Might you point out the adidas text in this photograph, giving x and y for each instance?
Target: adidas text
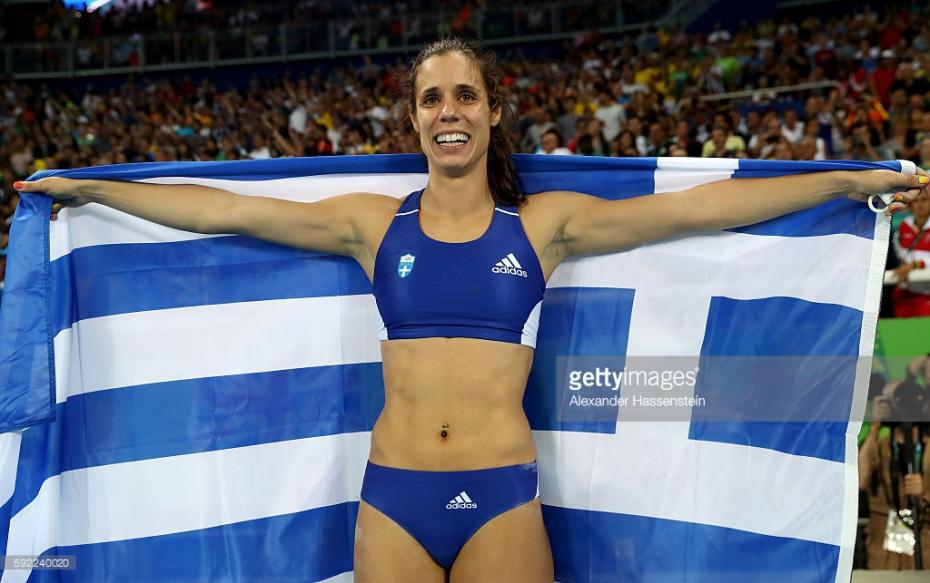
(509, 265)
(510, 270)
(461, 502)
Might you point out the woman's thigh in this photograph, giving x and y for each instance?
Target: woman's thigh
(511, 547)
(386, 553)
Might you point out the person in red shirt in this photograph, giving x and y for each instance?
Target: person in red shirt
(912, 244)
(884, 76)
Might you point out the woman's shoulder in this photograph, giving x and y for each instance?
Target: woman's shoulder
(366, 210)
(552, 205)
(370, 201)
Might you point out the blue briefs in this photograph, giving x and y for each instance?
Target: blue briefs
(442, 510)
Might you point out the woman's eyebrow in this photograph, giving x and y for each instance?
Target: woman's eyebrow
(459, 87)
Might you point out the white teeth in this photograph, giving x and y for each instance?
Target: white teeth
(452, 138)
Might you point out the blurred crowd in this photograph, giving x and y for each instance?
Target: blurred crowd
(53, 21)
(651, 93)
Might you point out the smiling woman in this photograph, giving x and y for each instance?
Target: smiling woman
(458, 271)
(475, 99)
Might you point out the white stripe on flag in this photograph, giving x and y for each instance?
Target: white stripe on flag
(719, 261)
(674, 180)
(690, 165)
(347, 577)
(187, 492)
(215, 340)
(9, 463)
(721, 484)
(96, 224)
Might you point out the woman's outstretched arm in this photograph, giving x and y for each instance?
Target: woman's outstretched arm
(586, 224)
(333, 225)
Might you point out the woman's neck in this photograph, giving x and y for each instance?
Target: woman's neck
(458, 195)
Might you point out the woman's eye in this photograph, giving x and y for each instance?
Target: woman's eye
(429, 100)
(468, 97)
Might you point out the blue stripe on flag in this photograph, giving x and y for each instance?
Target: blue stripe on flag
(577, 322)
(606, 547)
(118, 279)
(26, 364)
(231, 552)
(785, 167)
(197, 415)
(610, 178)
(747, 375)
(252, 169)
(837, 216)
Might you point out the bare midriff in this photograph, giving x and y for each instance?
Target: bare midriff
(453, 404)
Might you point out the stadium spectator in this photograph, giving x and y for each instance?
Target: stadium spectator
(552, 144)
(684, 139)
(720, 144)
(657, 144)
(912, 246)
(610, 113)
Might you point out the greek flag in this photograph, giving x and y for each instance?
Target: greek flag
(186, 407)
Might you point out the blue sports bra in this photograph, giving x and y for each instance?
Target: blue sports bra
(489, 288)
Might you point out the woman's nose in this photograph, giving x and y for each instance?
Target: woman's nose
(449, 112)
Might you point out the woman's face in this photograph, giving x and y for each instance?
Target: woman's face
(452, 115)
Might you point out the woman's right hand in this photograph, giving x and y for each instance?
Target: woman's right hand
(65, 191)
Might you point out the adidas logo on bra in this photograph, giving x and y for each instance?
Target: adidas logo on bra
(510, 266)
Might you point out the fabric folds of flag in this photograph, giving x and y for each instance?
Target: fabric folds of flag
(186, 407)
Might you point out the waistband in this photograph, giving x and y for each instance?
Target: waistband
(502, 471)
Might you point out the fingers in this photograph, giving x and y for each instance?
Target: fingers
(28, 185)
(915, 186)
(895, 207)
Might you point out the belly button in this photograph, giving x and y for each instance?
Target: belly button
(444, 434)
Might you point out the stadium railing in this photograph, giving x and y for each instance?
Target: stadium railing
(338, 38)
(756, 94)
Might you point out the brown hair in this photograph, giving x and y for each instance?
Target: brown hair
(502, 174)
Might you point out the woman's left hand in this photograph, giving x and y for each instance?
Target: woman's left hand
(905, 187)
